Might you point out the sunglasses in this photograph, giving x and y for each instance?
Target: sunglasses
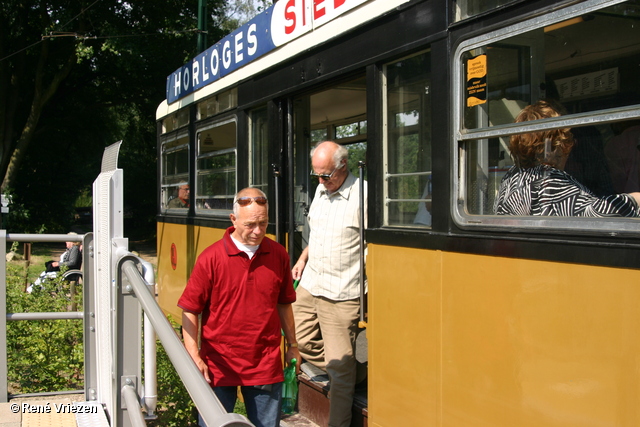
(246, 201)
(324, 176)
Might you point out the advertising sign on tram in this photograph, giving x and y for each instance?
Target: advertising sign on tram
(277, 26)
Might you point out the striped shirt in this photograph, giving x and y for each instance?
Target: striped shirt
(333, 267)
(544, 190)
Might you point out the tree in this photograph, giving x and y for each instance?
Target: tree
(238, 12)
(78, 76)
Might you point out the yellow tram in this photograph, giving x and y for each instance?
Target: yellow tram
(474, 318)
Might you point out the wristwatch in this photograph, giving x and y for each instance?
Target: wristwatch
(292, 344)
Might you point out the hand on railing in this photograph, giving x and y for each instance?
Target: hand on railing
(202, 367)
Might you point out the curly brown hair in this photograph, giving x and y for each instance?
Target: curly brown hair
(530, 149)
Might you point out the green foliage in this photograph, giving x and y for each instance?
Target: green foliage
(175, 407)
(47, 355)
(84, 200)
(121, 53)
(357, 153)
(43, 355)
(239, 12)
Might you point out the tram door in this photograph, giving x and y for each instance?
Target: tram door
(337, 113)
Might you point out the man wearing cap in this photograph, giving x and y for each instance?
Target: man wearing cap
(327, 305)
(242, 288)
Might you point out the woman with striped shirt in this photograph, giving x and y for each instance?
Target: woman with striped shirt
(537, 183)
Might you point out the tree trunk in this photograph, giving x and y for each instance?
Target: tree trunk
(42, 94)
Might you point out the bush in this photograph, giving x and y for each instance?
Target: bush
(48, 355)
(42, 355)
(175, 407)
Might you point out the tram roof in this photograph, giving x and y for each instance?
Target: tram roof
(355, 14)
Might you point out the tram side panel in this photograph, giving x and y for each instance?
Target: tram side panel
(404, 333)
(178, 248)
(458, 339)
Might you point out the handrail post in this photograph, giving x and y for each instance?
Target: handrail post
(4, 387)
(210, 408)
(363, 302)
(276, 177)
(132, 405)
(127, 354)
(89, 327)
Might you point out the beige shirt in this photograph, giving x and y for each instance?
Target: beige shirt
(333, 267)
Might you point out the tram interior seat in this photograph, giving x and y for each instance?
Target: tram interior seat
(622, 153)
(423, 216)
(504, 111)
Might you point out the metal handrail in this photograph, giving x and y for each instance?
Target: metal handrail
(201, 393)
(44, 238)
(4, 316)
(47, 238)
(214, 415)
(55, 315)
(130, 398)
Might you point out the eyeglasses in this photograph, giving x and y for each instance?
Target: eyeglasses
(246, 201)
(325, 176)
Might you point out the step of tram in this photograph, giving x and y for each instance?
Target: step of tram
(313, 401)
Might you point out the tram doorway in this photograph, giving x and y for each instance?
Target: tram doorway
(339, 114)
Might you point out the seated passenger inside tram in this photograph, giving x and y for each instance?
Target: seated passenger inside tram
(623, 156)
(537, 184)
(182, 198)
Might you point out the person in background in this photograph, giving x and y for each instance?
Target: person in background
(538, 185)
(242, 287)
(327, 307)
(182, 201)
(71, 258)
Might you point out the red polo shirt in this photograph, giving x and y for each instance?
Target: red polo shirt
(238, 299)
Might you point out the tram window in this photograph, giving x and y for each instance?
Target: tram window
(258, 149)
(490, 155)
(351, 131)
(588, 63)
(467, 8)
(547, 183)
(319, 135)
(216, 168)
(218, 104)
(582, 60)
(408, 142)
(175, 168)
(175, 121)
(343, 133)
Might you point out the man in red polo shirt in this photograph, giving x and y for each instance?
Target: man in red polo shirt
(242, 287)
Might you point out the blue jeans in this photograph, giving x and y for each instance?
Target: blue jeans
(261, 402)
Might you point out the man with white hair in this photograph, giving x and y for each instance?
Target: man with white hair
(328, 296)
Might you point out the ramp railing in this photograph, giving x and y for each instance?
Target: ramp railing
(134, 297)
(87, 272)
(134, 292)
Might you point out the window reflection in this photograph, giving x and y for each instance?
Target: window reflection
(585, 64)
(408, 142)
